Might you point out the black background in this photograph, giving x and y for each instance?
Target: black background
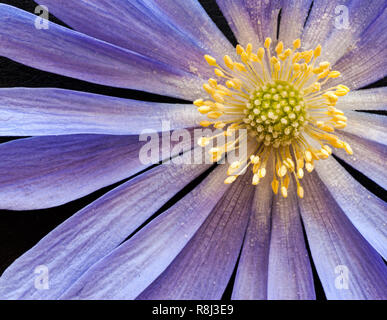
(19, 231)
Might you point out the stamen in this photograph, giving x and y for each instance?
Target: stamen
(282, 101)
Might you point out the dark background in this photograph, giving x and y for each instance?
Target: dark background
(20, 230)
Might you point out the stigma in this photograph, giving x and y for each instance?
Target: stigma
(282, 97)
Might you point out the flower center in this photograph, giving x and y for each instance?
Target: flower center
(283, 100)
(276, 112)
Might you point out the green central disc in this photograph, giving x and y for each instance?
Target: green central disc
(276, 113)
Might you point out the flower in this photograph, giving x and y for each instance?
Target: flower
(129, 244)
(281, 106)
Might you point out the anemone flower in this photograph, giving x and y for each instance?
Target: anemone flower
(297, 67)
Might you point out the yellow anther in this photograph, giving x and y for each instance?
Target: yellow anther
(210, 60)
(309, 166)
(208, 88)
(254, 57)
(324, 65)
(286, 181)
(273, 60)
(219, 107)
(340, 92)
(203, 141)
(284, 192)
(296, 66)
(323, 74)
(337, 143)
(308, 56)
(275, 185)
(204, 109)
(279, 48)
(261, 172)
(340, 125)
(300, 162)
(218, 97)
(328, 149)
(334, 74)
(214, 114)
(235, 165)
(300, 191)
(249, 48)
(308, 156)
(239, 49)
(219, 73)
(287, 52)
(230, 179)
(331, 97)
(297, 43)
(300, 173)
(255, 179)
(339, 117)
(348, 148)
(212, 82)
(244, 57)
(219, 125)
(326, 128)
(317, 86)
(267, 43)
(254, 159)
(317, 51)
(209, 103)
(240, 66)
(343, 87)
(282, 171)
(230, 84)
(297, 57)
(228, 62)
(198, 102)
(205, 123)
(323, 154)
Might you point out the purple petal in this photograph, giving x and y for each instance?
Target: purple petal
(250, 20)
(204, 267)
(368, 99)
(134, 265)
(75, 245)
(43, 172)
(369, 157)
(66, 52)
(27, 112)
(325, 25)
(366, 211)
(290, 274)
(252, 272)
(320, 22)
(365, 64)
(143, 27)
(239, 21)
(371, 127)
(293, 15)
(200, 25)
(336, 244)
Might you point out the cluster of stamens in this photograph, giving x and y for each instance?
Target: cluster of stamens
(275, 113)
(280, 101)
